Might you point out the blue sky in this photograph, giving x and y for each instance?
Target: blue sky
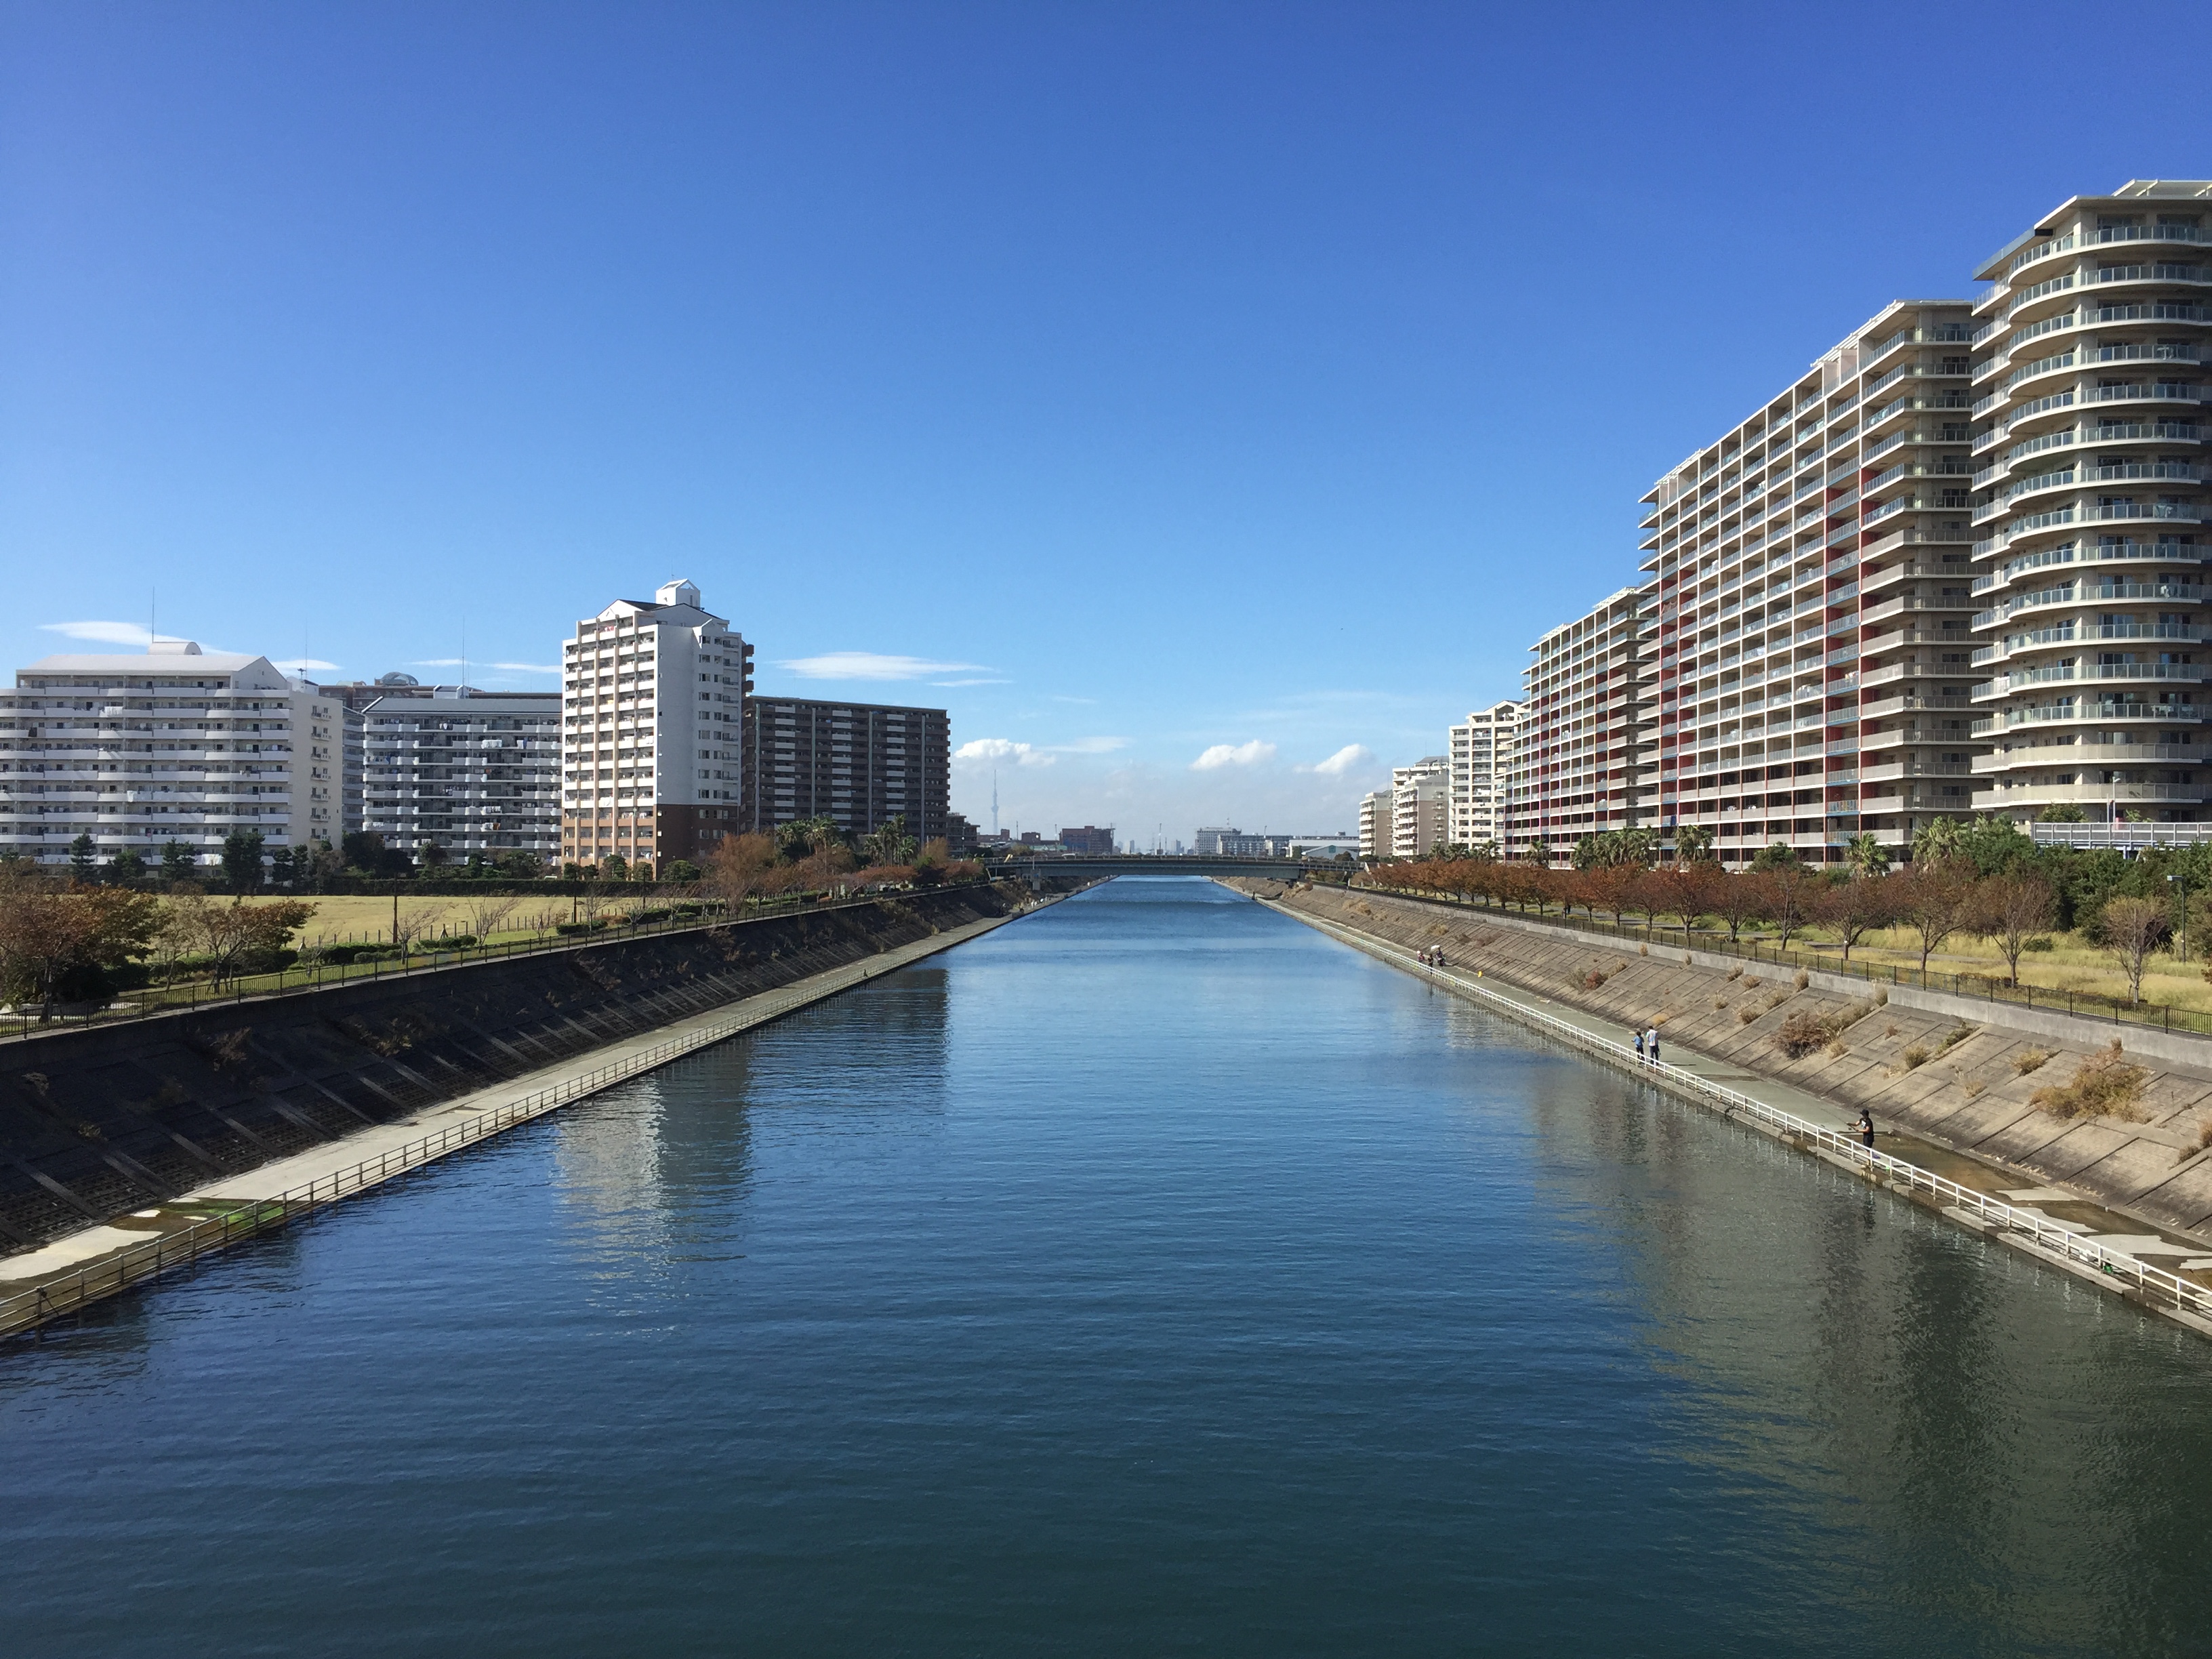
(1206, 404)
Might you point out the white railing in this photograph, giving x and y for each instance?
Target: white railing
(2157, 1284)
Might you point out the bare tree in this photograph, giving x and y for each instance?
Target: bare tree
(2012, 909)
(487, 915)
(1788, 892)
(1739, 900)
(2134, 928)
(1936, 899)
(408, 924)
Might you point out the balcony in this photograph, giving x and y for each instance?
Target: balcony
(2086, 794)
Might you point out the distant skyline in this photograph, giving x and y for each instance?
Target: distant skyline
(1206, 404)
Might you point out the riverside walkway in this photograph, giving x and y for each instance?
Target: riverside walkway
(99, 1261)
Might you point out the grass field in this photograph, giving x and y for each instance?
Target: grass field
(340, 918)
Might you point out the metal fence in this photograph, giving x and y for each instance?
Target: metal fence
(2084, 1004)
(314, 977)
(2156, 1285)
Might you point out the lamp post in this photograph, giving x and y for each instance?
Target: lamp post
(2183, 883)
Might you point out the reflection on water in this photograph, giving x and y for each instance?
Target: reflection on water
(1154, 1275)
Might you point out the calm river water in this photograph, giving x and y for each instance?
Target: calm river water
(1152, 1276)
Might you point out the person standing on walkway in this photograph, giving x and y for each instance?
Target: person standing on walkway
(1866, 1127)
(1651, 1042)
(1639, 1044)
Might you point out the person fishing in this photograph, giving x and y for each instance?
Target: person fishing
(1866, 1127)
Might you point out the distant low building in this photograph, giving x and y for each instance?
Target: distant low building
(1208, 839)
(960, 837)
(1087, 838)
(1375, 814)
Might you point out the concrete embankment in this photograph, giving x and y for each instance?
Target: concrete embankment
(1963, 1085)
(96, 1125)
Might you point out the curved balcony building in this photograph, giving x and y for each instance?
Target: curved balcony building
(2090, 508)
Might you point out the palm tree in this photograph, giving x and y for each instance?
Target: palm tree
(1867, 856)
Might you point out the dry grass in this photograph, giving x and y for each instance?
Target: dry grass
(1745, 1016)
(2030, 1061)
(2108, 1085)
(1915, 1057)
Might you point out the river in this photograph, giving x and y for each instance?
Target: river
(1151, 1276)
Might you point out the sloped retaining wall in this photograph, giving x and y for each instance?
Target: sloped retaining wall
(94, 1123)
(1969, 1094)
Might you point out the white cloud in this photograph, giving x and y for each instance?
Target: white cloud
(985, 680)
(103, 633)
(981, 751)
(1089, 746)
(301, 665)
(1243, 754)
(1348, 758)
(872, 666)
(465, 662)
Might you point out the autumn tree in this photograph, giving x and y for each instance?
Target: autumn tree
(1687, 888)
(1786, 894)
(1738, 901)
(1855, 907)
(740, 869)
(1609, 887)
(233, 938)
(53, 940)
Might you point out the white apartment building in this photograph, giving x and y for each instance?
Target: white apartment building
(1813, 586)
(2089, 387)
(1375, 820)
(175, 744)
(1481, 753)
(653, 705)
(465, 770)
(1580, 762)
(1419, 796)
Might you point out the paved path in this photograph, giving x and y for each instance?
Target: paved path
(464, 1120)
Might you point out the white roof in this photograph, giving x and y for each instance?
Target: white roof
(140, 664)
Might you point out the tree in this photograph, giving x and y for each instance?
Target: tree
(1738, 900)
(2064, 813)
(82, 864)
(516, 865)
(1993, 844)
(2134, 928)
(1777, 855)
(176, 863)
(1693, 843)
(2013, 909)
(1610, 887)
(1855, 906)
(1936, 840)
(488, 915)
(890, 844)
(1866, 855)
(53, 941)
(127, 866)
(681, 870)
(1787, 896)
(1687, 889)
(1936, 899)
(802, 838)
(432, 855)
(241, 860)
(234, 938)
(614, 867)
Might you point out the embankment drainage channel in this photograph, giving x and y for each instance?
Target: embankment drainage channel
(27, 1310)
(2152, 1289)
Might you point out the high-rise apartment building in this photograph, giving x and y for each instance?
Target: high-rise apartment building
(858, 764)
(1419, 794)
(1377, 813)
(653, 703)
(2088, 384)
(1481, 753)
(1813, 601)
(177, 745)
(465, 770)
(1580, 763)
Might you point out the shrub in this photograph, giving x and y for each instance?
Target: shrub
(2032, 1060)
(2105, 1085)
(1916, 1056)
(1745, 1016)
(591, 926)
(1803, 980)
(1953, 1037)
(1975, 1088)
(1804, 1031)
(2037, 944)
(1736, 972)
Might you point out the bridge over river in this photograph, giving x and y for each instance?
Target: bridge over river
(1152, 864)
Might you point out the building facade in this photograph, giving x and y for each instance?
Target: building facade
(175, 744)
(1377, 816)
(1087, 838)
(1481, 754)
(2089, 385)
(1581, 761)
(1813, 602)
(858, 764)
(464, 770)
(654, 696)
(1419, 795)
